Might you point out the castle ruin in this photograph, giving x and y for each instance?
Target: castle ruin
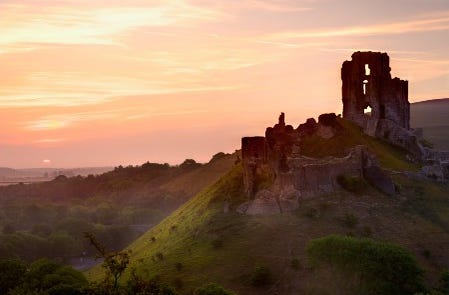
(277, 173)
(376, 102)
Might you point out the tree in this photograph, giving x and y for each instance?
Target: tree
(44, 277)
(115, 263)
(212, 289)
(12, 273)
(374, 267)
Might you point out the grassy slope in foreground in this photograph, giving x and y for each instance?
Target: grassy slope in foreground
(212, 245)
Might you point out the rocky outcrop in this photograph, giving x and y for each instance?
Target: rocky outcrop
(436, 165)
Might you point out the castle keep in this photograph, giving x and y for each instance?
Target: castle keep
(367, 83)
(277, 173)
(376, 102)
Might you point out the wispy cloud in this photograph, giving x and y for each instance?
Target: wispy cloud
(71, 119)
(272, 5)
(49, 140)
(77, 88)
(72, 22)
(437, 22)
(53, 122)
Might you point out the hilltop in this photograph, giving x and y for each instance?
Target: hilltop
(207, 240)
(365, 173)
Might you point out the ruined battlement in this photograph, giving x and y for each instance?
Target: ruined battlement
(276, 173)
(367, 83)
(376, 102)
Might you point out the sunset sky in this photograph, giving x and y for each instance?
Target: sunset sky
(99, 83)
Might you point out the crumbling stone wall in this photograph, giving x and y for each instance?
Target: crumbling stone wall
(254, 157)
(275, 172)
(276, 162)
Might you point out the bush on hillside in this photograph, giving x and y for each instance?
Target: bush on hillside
(353, 184)
(41, 277)
(261, 276)
(379, 267)
(212, 289)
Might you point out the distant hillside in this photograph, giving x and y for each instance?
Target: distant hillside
(117, 206)
(49, 173)
(207, 240)
(433, 117)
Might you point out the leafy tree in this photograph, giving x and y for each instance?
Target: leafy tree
(115, 263)
(45, 277)
(12, 272)
(261, 276)
(63, 245)
(379, 267)
(212, 289)
(445, 281)
(139, 286)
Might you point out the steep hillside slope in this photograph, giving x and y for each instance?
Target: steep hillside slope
(206, 240)
(433, 117)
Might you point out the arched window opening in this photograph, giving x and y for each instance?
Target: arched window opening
(364, 86)
(367, 70)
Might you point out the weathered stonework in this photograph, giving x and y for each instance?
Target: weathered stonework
(367, 83)
(277, 175)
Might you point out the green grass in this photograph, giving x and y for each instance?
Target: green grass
(351, 135)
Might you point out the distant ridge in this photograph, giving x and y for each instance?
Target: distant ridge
(436, 100)
(433, 117)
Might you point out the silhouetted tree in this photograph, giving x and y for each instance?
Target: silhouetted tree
(115, 263)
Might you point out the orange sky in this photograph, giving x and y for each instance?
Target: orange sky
(92, 83)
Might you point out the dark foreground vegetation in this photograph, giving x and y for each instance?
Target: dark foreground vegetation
(368, 267)
(45, 277)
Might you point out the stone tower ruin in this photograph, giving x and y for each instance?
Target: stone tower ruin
(367, 85)
(376, 102)
(278, 170)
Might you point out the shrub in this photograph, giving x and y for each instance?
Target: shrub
(138, 285)
(329, 119)
(179, 266)
(379, 267)
(159, 256)
(178, 283)
(444, 279)
(261, 276)
(367, 231)
(212, 289)
(295, 264)
(426, 253)
(312, 213)
(353, 184)
(350, 220)
(217, 243)
(12, 273)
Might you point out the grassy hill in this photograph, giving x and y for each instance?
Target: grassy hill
(205, 240)
(433, 117)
